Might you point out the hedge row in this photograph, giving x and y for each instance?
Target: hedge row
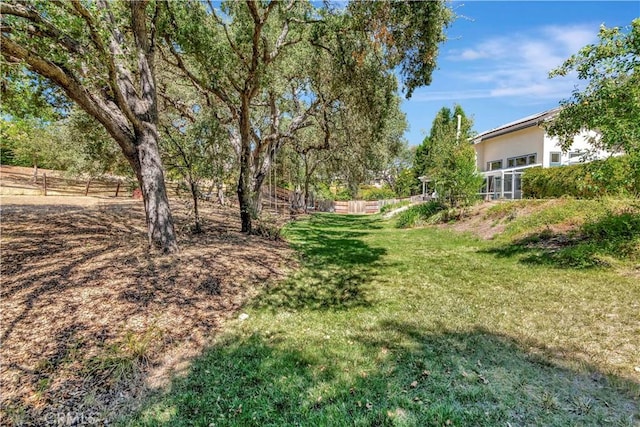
(613, 176)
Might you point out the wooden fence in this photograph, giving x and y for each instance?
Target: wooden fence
(52, 183)
(60, 186)
(369, 206)
(356, 207)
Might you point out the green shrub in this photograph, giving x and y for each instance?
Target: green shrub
(617, 234)
(374, 193)
(323, 191)
(613, 176)
(343, 195)
(418, 215)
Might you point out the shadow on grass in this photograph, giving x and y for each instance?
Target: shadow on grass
(393, 374)
(595, 245)
(361, 222)
(337, 266)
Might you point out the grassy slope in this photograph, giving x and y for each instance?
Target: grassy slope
(420, 327)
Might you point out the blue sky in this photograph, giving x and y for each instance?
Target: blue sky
(496, 61)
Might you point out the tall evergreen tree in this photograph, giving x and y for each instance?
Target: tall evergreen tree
(447, 157)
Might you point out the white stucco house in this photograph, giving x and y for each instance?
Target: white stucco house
(503, 153)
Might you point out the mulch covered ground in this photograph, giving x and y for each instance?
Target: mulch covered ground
(91, 321)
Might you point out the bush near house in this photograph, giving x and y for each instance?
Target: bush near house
(613, 176)
(419, 215)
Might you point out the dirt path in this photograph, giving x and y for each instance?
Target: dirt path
(91, 321)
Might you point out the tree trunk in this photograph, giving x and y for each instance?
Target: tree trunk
(244, 180)
(306, 192)
(124, 100)
(256, 201)
(197, 228)
(220, 193)
(244, 198)
(260, 172)
(148, 167)
(307, 178)
(256, 194)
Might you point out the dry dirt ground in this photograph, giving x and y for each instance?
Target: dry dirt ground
(91, 321)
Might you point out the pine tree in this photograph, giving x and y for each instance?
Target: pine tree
(448, 159)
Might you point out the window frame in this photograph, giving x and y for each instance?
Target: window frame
(489, 168)
(526, 158)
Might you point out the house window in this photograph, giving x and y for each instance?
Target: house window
(556, 159)
(529, 159)
(577, 156)
(496, 164)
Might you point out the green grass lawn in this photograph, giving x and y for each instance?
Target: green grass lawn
(418, 327)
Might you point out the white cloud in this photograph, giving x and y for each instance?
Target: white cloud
(518, 65)
(449, 95)
(537, 90)
(572, 37)
(534, 92)
(471, 54)
(487, 49)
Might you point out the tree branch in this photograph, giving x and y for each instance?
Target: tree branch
(46, 28)
(148, 108)
(235, 49)
(110, 117)
(77, 9)
(281, 42)
(119, 78)
(179, 106)
(185, 159)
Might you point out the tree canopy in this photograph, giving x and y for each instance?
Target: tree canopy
(277, 68)
(265, 75)
(408, 33)
(610, 102)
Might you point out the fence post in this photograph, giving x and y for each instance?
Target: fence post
(118, 188)
(44, 183)
(86, 188)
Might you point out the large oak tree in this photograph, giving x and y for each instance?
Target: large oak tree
(236, 56)
(262, 61)
(102, 55)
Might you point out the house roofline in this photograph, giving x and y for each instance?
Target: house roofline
(524, 123)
